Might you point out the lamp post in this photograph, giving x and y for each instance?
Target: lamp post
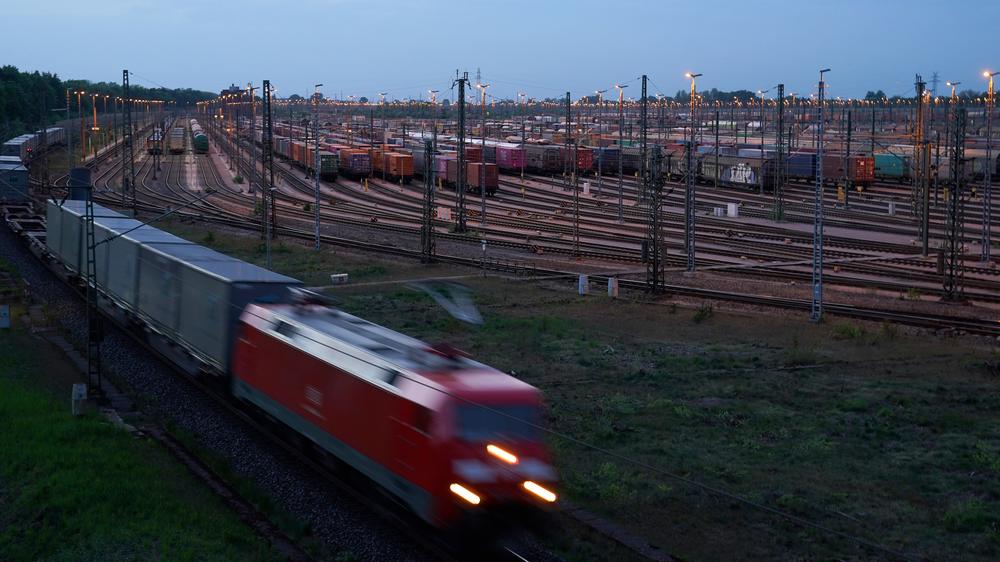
(760, 177)
(988, 176)
(482, 157)
(689, 195)
(621, 119)
(600, 154)
(524, 102)
(79, 113)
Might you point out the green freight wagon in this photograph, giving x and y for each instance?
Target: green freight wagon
(892, 166)
(199, 141)
(328, 164)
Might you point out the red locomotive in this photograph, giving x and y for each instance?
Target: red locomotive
(454, 440)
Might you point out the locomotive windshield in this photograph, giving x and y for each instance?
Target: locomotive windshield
(482, 423)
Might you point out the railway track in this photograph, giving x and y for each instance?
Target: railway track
(290, 207)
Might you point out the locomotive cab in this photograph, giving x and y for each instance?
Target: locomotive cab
(499, 475)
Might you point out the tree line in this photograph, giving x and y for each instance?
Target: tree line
(28, 98)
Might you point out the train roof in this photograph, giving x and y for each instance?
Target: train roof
(331, 333)
(219, 265)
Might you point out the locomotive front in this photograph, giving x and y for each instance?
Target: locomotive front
(499, 472)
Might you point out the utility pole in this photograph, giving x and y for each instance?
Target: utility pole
(689, 174)
(268, 210)
(384, 133)
(427, 232)
(462, 81)
(717, 148)
(253, 141)
(760, 180)
(523, 104)
(643, 148)
(848, 176)
(953, 274)
(95, 326)
(779, 165)
(571, 153)
(921, 157)
(653, 244)
(816, 313)
(128, 158)
(482, 160)
(316, 159)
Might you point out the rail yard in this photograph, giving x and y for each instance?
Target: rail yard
(555, 316)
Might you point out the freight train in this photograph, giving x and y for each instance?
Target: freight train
(304, 156)
(154, 142)
(453, 440)
(176, 142)
(26, 147)
(199, 140)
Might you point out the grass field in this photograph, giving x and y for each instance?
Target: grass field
(881, 435)
(79, 489)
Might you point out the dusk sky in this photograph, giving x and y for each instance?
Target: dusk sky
(540, 47)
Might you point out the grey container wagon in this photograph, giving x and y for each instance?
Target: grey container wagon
(195, 296)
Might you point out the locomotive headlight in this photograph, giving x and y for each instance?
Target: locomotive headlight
(464, 493)
(539, 491)
(502, 454)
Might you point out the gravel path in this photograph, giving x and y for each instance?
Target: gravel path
(338, 521)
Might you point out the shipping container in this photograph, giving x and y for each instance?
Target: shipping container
(480, 174)
(194, 296)
(65, 235)
(510, 158)
(13, 182)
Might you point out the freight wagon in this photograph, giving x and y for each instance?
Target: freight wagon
(482, 172)
(177, 140)
(354, 162)
(543, 159)
(28, 146)
(199, 140)
(584, 159)
(892, 166)
(801, 167)
(191, 295)
(736, 171)
(13, 181)
(154, 142)
(510, 158)
(304, 156)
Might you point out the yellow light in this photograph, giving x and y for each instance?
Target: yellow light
(464, 493)
(986, 73)
(501, 454)
(539, 491)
